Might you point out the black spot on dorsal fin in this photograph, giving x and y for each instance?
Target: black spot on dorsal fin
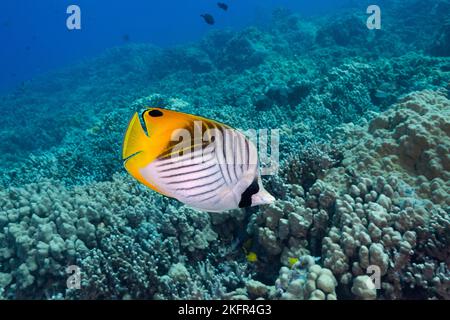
(246, 197)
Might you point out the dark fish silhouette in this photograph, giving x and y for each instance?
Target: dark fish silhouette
(209, 19)
(6, 24)
(222, 6)
(126, 37)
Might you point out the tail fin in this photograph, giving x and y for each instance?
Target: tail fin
(262, 197)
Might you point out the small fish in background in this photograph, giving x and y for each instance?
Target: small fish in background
(292, 261)
(213, 168)
(222, 6)
(250, 253)
(252, 257)
(209, 19)
(126, 38)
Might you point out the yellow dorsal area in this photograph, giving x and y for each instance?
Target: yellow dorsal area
(164, 125)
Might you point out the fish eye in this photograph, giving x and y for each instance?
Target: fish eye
(155, 113)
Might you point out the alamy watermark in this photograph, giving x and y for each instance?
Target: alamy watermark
(374, 281)
(228, 146)
(74, 278)
(73, 21)
(374, 20)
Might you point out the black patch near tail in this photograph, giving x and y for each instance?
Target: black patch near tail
(246, 197)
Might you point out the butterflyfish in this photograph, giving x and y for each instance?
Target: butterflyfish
(209, 19)
(202, 163)
(222, 6)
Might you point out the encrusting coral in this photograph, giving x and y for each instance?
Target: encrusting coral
(391, 221)
(371, 210)
(306, 280)
(411, 140)
(380, 205)
(110, 231)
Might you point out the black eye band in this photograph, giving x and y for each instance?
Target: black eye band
(155, 113)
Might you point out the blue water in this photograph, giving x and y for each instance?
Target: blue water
(35, 38)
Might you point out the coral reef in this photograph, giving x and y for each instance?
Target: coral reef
(113, 232)
(306, 280)
(371, 212)
(379, 207)
(411, 141)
